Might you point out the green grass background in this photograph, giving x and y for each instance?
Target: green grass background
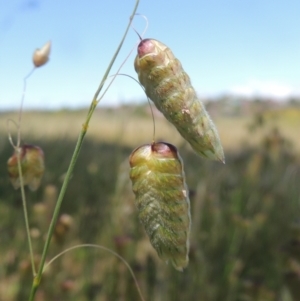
(245, 240)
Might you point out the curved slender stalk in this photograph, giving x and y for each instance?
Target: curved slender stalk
(21, 106)
(9, 132)
(149, 102)
(105, 249)
(37, 278)
(17, 149)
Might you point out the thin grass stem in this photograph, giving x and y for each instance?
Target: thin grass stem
(37, 278)
(25, 210)
(21, 106)
(105, 249)
(18, 151)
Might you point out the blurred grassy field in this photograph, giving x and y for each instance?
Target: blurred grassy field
(245, 239)
(132, 126)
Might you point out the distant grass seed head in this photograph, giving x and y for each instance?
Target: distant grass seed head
(41, 56)
(32, 164)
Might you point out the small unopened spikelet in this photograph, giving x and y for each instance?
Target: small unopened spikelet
(32, 164)
(158, 181)
(41, 56)
(169, 87)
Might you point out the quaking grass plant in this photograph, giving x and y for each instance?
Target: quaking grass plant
(27, 156)
(157, 172)
(242, 247)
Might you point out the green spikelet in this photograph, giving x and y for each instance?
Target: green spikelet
(158, 181)
(169, 87)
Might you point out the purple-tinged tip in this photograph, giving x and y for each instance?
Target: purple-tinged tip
(146, 46)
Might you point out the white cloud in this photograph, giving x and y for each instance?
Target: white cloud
(265, 89)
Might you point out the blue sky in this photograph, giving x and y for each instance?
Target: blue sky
(248, 47)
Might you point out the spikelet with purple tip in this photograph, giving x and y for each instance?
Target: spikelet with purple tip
(162, 200)
(170, 88)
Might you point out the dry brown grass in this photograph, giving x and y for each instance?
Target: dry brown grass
(128, 127)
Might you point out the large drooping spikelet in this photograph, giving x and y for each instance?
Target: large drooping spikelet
(169, 87)
(32, 165)
(158, 181)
